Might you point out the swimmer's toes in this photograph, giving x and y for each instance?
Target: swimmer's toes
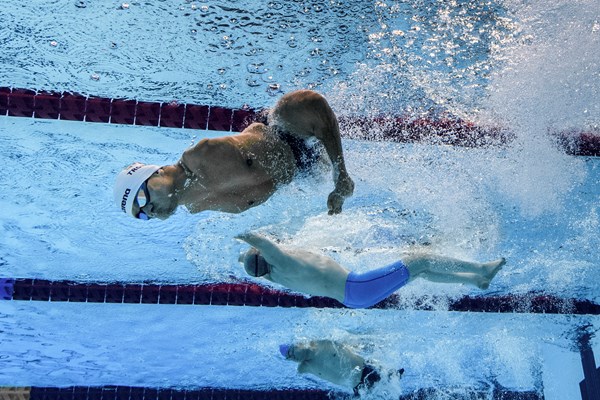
(499, 264)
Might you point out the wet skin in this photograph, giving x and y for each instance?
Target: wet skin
(234, 173)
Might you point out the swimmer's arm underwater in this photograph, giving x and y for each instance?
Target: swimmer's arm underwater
(307, 114)
(269, 250)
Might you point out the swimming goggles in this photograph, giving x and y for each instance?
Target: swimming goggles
(142, 198)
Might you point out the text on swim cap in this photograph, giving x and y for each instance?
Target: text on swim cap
(124, 200)
(134, 169)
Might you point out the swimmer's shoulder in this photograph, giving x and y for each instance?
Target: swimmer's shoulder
(256, 128)
(206, 152)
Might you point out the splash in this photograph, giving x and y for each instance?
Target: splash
(426, 57)
(530, 69)
(546, 82)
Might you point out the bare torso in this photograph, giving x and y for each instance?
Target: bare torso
(310, 273)
(240, 171)
(235, 173)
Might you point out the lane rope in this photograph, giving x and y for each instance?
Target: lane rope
(252, 294)
(148, 393)
(16, 102)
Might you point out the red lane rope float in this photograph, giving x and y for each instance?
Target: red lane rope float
(251, 294)
(76, 107)
(146, 393)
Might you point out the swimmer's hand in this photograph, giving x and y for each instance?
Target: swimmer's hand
(244, 236)
(269, 250)
(344, 188)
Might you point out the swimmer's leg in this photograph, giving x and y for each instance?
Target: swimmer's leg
(369, 288)
(451, 270)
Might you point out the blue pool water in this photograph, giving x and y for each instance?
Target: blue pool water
(505, 63)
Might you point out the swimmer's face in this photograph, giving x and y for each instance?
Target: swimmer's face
(163, 202)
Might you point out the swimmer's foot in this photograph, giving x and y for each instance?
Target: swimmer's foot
(491, 269)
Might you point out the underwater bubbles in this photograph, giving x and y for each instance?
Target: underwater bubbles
(549, 81)
(530, 70)
(274, 89)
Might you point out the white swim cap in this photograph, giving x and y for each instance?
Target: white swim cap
(128, 183)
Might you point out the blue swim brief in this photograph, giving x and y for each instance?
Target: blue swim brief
(369, 288)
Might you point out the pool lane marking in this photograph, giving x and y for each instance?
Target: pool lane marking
(148, 393)
(6, 288)
(15, 393)
(252, 294)
(27, 103)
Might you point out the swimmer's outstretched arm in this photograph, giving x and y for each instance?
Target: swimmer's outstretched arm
(272, 253)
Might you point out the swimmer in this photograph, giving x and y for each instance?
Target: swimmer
(237, 172)
(336, 363)
(319, 275)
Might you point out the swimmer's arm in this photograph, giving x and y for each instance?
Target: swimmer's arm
(269, 250)
(307, 114)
